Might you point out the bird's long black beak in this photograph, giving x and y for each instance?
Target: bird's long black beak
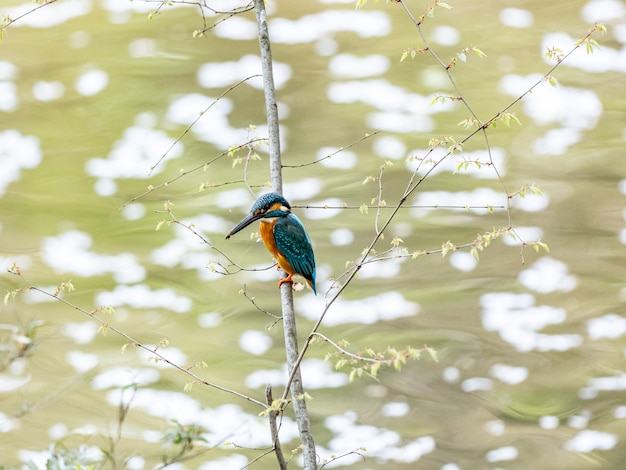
(244, 223)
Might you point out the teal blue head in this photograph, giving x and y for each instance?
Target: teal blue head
(268, 206)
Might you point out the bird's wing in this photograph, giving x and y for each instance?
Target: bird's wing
(294, 243)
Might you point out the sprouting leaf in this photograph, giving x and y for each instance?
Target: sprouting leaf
(539, 244)
(444, 5)
(438, 98)
(462, 56)
(446, 248)
(396, 241)
(433, 354)
(478, 52)
(363, 209)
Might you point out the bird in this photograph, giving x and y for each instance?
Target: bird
(284, 236)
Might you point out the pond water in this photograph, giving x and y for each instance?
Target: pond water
(95, 101)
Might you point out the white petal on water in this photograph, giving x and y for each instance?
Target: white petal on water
(135, 153)
(134, 211)
(580, 420)
(599, 11)
(547, 275)
(508, 374)
(8, 71)
(451, 374)
(223, 74)
(607, 326)
(620, 412)
(386, 306)
(209, 320)
(92, 82)
(391, 147)
(341, 237)
(495, 427)
(343, 160)
(57, 431)
(384, 269)
(445, 35)
(395, 409)
(315, 374)
(48, 91)
(17, 152)
(549, 422)
(53, 15)
(478, 201)
(232, 461)
(172, 354)
(475, 384)
(596, 385)
(141, 296)
(502, 453)
(81, 333)
(478, 162)
(120, 377)
(236, 29)
(351, 66)
(10, 383)
(381, 443)
(255, 342)
(321, 214)
(223, 423)
(463, 261)
(516, 17)
(517, 320)
(136, 462)
(81, 362)
(310, 28)
(69, 253)
(303, 190)
(568, 107)
(526, 233)
(590, 440)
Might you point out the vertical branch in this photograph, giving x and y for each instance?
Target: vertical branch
(289, 319)
(271, 108)
(273, 415)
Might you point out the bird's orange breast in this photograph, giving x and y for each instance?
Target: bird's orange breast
(267, 235)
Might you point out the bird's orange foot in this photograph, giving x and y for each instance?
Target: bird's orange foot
(286, 279)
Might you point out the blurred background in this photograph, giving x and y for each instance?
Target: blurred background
(531, 345)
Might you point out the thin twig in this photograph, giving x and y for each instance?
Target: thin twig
(331, 155)
(131, 341)
(200, 114)
(412, 186)
(184, 173)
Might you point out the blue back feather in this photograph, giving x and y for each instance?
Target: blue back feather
(294, 243)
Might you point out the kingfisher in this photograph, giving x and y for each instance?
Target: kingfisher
(284, 237)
